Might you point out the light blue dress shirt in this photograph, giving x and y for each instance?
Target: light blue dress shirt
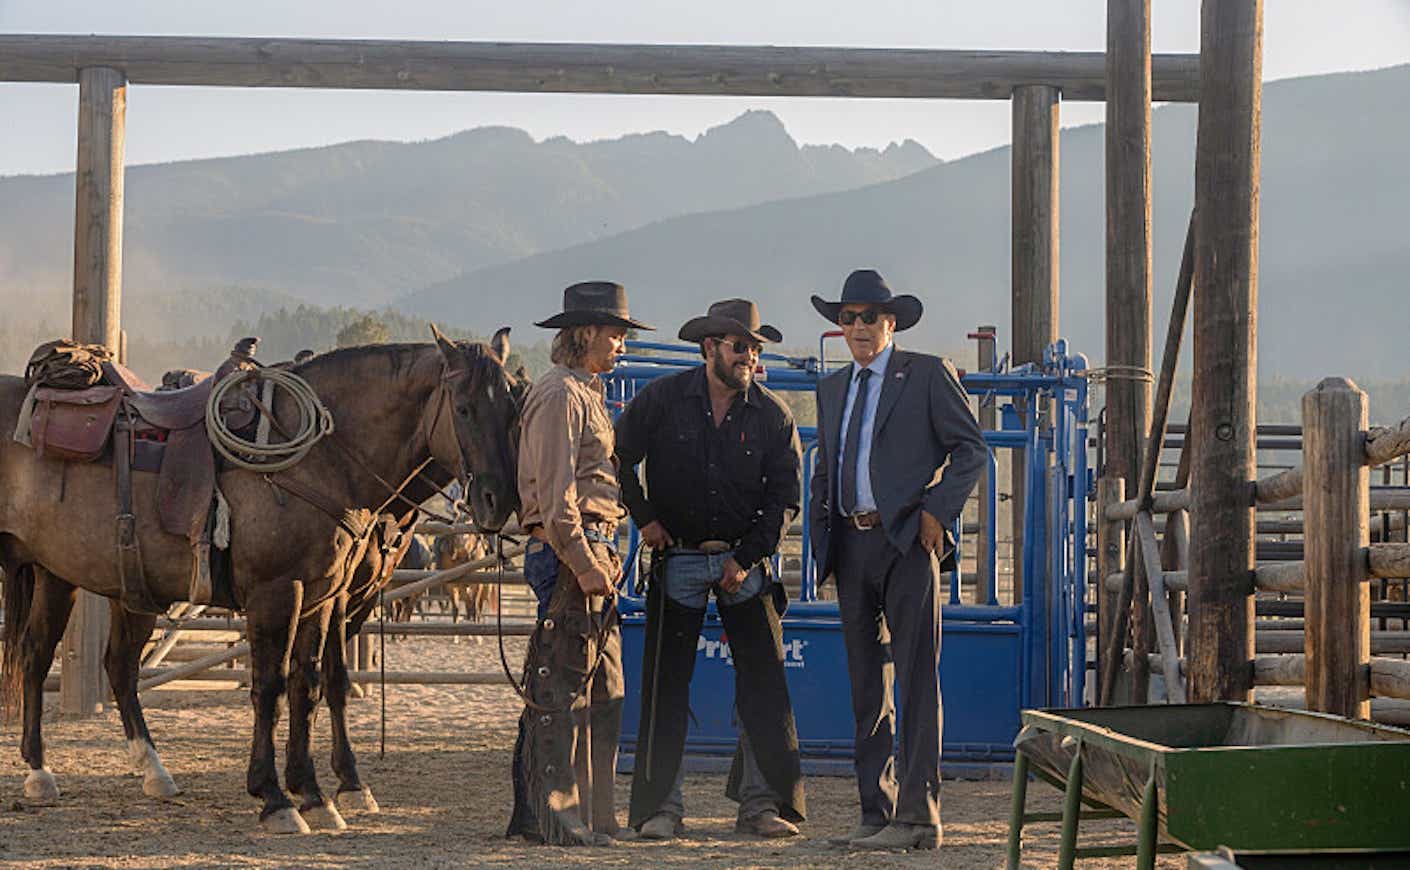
(866, 501)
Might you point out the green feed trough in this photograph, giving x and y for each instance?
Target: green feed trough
(1207, 775)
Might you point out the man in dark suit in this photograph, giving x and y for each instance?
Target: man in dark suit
(882, 502)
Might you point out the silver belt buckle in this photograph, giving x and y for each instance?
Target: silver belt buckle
(714, 548)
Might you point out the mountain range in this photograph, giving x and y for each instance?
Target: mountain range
(363, 222)
(486, 227)
(1334, 252)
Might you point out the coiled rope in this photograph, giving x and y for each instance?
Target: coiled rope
(315, 421)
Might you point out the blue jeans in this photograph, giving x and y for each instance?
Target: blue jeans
(689, 579)
(541, 572)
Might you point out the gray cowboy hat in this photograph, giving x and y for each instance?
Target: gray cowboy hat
(593, 303)
(730, 317)
(867, 287)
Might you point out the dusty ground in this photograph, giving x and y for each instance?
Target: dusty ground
(443, 787)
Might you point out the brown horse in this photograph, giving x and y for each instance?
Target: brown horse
(394, 406)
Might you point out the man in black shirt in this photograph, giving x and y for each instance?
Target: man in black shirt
(723, 484)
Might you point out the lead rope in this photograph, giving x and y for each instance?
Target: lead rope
(382, 659)
(521, 688)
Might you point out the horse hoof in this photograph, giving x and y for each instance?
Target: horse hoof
(360, 801)
(324, 816)
(161, 786)
(285, 821)
(40, 787)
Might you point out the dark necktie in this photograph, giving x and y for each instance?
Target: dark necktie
(854, 438)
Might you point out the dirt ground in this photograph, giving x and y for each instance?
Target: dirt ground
(444, 791)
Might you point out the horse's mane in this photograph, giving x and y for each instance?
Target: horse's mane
(401, 356)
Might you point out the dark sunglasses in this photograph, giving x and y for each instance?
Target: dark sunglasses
(740, 347)
(866, 315)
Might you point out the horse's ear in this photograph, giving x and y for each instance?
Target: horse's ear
(447, 347)
(500, 343)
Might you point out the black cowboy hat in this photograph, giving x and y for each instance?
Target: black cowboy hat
(730, 317)
(593, 303)
(867, 287)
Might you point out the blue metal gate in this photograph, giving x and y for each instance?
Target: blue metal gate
(997, 656)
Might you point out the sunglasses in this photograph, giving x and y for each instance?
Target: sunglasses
(739, 347)
(866, 315)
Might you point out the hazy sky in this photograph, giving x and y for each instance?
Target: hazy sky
(1301, 37)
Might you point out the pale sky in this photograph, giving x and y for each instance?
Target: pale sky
(1302, 37)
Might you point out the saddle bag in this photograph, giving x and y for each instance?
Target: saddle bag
(74, 425)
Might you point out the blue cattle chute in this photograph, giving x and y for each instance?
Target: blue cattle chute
(996, 658)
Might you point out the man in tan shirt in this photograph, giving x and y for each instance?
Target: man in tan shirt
(566, 756)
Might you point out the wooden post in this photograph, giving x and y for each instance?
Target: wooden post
(1128, 267)
(1111, 559)
(1035, 259)
(1220, 642)
(1337, 502)
(97, 306)
(988, 419)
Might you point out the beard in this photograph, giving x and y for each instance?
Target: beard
(734, 378)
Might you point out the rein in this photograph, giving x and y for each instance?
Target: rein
(521, 688)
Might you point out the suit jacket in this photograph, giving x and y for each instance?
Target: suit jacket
(922, 420)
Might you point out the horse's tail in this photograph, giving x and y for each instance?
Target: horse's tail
(19, 592)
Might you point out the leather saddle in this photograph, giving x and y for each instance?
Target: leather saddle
(160, 431)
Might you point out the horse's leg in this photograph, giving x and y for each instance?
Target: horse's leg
(305, 691)
(271, 619)
(124, 657)
(352, 794)
(49, 608)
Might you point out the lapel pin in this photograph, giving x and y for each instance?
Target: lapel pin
(900, 375)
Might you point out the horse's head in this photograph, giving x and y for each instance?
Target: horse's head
(481, 398)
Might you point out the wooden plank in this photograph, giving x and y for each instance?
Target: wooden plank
(1338, 600)
(527, 67)
(1160, 607)
(1393, 499)
(988, 415)
(1219, 644)
(1034, 258)
(1111, 564)
(97, 309)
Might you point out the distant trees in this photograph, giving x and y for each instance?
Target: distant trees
(365, 330)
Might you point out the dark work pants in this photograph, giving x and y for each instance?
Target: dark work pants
(884, 595)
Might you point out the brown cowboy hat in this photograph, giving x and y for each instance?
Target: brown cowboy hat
(593, 303)
(730, 317)
(867, 287)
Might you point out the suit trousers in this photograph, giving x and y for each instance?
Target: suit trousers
(890, 607)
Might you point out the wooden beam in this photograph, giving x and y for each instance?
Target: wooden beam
(1336, 487)
(1034, 309)
(1160, 607)
(97, 309)
(528, 67)
(1111, 564)
(1219, 644)
(1128, 272)
(988, 414)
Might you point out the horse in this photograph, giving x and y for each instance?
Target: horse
(395, 408)
(465, 594)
